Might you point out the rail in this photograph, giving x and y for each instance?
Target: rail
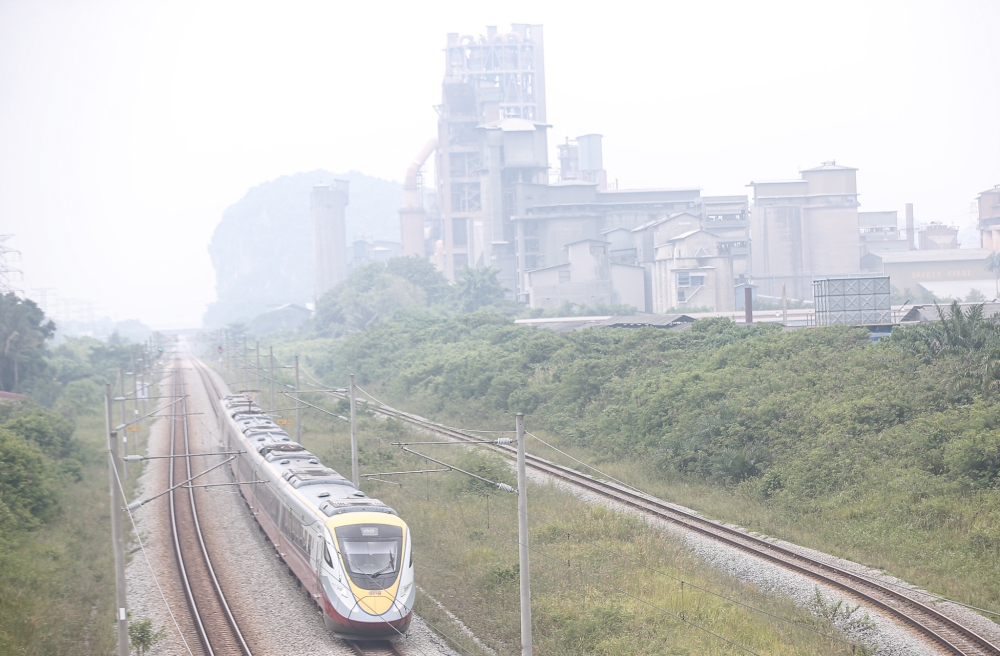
(943, 630)
(211, 615)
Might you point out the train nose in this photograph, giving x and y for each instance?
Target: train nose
(375, 604)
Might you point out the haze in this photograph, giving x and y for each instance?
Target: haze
(127, 128)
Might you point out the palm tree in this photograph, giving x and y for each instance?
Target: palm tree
(476, 288)
(993, 264)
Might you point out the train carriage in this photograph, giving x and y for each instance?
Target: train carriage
(352, 553)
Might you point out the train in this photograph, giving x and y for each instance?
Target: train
(352, 553)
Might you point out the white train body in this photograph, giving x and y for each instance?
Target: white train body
(352, 553)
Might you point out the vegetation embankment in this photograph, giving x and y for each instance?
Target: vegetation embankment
(602, 582)
(56, 564)
(884, 453)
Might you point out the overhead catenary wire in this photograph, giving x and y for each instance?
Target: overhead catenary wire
(358, 387)
(889, 583)
(868, 578)
(678, 579)
(605, 549)
(382, 403)
(397, 631)
(623, 556)
(585, 574)
(626, 485)
(445, 635)
(142, 547)
(608, 476)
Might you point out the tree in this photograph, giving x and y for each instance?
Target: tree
(386, 294)
(142, 636)
(975, 296)
(477, 288)
(423, 274)
(28, 485)
(369, 294)
(23, 332)
(993, 264)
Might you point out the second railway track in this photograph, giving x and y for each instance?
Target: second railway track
(944, 631)
(215, 629)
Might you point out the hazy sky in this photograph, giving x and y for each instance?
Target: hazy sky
(126, 128)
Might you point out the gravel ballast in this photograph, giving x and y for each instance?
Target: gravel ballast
(275, 615)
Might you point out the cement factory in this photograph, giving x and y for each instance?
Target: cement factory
(574, 239)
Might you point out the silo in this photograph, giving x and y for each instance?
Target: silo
(329, 235)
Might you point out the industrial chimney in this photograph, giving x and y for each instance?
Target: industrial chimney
(411, 215)
(910, 233)
(329, 235)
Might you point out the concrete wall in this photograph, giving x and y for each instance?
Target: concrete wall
(832, 239)
(589, 260)
(628, 286)
(805, 228)
(911, 273)
(695, 255)
(989, 218)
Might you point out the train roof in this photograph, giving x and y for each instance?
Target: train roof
(324, 489)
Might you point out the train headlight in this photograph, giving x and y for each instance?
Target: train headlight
(406, 588)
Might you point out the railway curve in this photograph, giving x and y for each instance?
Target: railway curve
(946, 632)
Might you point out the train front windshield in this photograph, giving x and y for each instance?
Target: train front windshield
(371, 553)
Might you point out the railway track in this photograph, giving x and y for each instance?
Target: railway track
(214, 626)
(359, 647)
(944, 631)
(373, 647)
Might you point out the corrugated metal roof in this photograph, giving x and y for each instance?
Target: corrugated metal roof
(566, 324)
(944, 255)
(924, 313)
(642, 320)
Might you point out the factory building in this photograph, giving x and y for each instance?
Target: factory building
(582, 160)
(691, 270)
(588, 277)
(491, 135)
(938, 266)
(497, 208)
(634, 223)
(364, 251)
(879, 231)
(907, 269)
(938, 236)
(328, 203)
(989, 218)
(805, 229)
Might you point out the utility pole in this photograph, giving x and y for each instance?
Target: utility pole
(355, 478)
(298, 408)
(117, 538)
(135, 382)
(522, 539)
(246, 364)
(121, 377)
(147, 380)
(784, 306)
(271, 370)
(257, 349)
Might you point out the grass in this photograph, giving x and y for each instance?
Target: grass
(945, 543)
(57, 584)
(585, 599)
(928, 531)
